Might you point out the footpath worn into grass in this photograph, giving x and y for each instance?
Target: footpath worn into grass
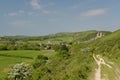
(114, 73)
(106, 70)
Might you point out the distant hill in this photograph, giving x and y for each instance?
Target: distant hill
(88, 35)
(84, 35)
(62, 36)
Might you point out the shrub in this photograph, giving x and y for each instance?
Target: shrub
(39, 60)
(75, 49)
(60, 47)
(20, 71)
(63, 54)
(64, 47)
(56, 47)
(41, 73)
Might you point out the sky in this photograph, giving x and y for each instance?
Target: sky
(43, 17)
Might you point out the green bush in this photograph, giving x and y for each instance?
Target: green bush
(39, 60)
(41, 73)
(75, 49)
(63, 54)
(58, 47)
(64, 48)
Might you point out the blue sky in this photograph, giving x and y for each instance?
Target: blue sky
(42, 17)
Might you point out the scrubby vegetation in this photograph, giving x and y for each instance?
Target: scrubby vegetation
(64, 65)
(63, 56)
(108, 45)
(20, 71)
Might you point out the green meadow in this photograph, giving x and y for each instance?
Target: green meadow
(6, 62)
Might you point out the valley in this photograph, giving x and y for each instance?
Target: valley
(88, 55)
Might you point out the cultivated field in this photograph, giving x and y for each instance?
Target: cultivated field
(9, 58)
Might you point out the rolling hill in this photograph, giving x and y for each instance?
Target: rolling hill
(77, 62)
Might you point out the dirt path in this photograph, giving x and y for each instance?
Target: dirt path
(99, 61)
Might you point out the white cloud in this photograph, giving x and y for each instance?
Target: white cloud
(94, 12)
(12, 14)
(19, 23)
(38, 6)
(82, 4)
(17, 13)
(48, 12)
(35, 4)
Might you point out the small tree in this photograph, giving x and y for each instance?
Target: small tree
(20, 71)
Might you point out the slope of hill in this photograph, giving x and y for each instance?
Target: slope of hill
(89, 35)
(71, 65)
(108, 45)
(107, 50)
(78, 36)
(77, 61)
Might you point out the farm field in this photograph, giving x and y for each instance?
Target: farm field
(16, 57)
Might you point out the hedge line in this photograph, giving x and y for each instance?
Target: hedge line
(7, 55)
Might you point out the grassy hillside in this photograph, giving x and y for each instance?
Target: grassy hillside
(78, 66)
(68, 62)
(78, 62)
(108, 45)
(81, 36)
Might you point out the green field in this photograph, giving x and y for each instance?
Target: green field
(66, 57)
(6, 62)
